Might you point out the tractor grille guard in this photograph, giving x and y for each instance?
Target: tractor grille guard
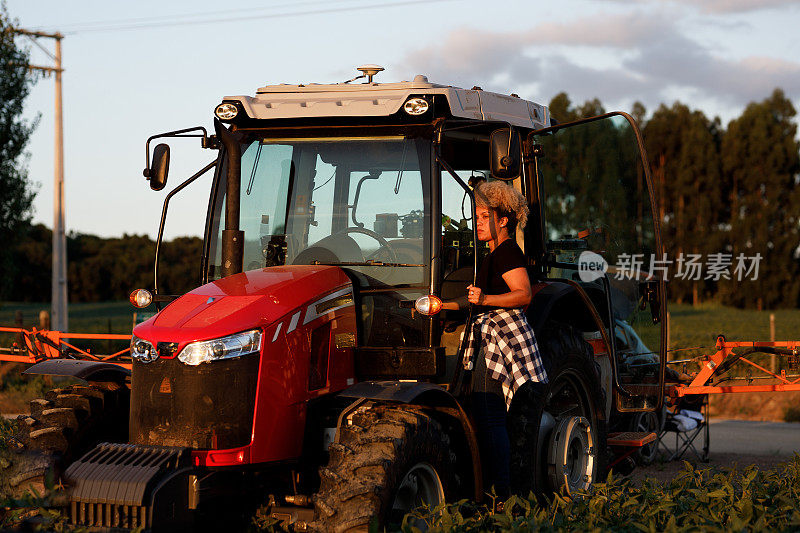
(115, 486)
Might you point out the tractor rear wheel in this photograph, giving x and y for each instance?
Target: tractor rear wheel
(62, 426)
(558, 429)
(390, 461)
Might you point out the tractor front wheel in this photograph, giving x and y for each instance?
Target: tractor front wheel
(62, 426)
(388, 462)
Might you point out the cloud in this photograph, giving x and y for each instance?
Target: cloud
(736, 6)
(636, 56)
(718, 6)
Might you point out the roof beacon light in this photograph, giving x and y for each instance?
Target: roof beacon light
(428, 305)
(226, 111)
(415, 106)
(141, 298)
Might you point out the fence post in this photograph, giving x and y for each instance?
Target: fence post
(668, 336)
(44, 319)
(772, 339)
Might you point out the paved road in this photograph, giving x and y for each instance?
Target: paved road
(755, 438)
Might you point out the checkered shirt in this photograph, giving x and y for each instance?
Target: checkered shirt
(512, 356)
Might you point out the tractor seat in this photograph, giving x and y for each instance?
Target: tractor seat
(337, 248)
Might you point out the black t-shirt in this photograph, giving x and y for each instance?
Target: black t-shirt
(507, 256)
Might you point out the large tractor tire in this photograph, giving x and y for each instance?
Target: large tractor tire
(390, 461)
(558, 429)
(62, 426)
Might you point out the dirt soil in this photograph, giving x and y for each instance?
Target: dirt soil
(665, 472)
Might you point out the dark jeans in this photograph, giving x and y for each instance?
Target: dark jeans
(489, 414)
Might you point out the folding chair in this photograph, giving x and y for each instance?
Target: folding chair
(685, 438)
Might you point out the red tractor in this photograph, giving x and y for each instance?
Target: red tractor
(313, 370)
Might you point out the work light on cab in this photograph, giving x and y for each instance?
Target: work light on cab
(416, 106)
(428, 305)
(141, 298)
(226, 111)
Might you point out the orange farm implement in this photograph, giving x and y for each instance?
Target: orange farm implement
(32, 346)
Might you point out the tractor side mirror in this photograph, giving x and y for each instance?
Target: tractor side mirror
(157, 173)
(505, 153)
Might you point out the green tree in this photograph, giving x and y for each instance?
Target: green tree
(16, 192)
(562, 110)
(761, 162)
(683, 148)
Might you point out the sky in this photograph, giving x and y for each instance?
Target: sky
(135, 69)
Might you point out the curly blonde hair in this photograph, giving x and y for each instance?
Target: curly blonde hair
(505, 200)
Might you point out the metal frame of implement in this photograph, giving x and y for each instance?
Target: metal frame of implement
(717, 364)
(45, 344)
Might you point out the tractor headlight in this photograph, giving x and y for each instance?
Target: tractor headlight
(222, 348)
(142, 350)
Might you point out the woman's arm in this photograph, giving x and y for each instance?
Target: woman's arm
(456, 304)
(519, 295)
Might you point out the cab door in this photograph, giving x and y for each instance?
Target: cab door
(598, 232)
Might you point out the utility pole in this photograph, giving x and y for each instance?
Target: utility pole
(59, 318)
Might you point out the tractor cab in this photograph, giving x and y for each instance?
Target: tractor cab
(377, 179)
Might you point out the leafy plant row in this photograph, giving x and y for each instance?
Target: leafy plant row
(697, 499)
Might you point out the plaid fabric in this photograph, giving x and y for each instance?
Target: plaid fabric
(512, 356)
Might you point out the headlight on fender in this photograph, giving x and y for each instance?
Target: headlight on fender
(142, 350)
(223, 348)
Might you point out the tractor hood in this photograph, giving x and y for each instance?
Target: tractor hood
(240, 302)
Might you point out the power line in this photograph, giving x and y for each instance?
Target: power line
(82, 26)
(152, 23)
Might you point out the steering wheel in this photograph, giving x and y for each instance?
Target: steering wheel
(383, 242)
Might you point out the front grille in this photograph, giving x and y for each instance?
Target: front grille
(207, 406)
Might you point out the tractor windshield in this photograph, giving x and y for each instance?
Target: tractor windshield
(348, 201)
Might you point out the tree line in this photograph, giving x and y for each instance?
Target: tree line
(721, 193)
(101, 269)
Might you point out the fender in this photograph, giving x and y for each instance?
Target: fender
(83, 370)
(584, 307)
(433, 397)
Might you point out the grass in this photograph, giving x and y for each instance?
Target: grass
(92, 317)
(699, 326)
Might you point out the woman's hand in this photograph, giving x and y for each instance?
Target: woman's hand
(474, 295)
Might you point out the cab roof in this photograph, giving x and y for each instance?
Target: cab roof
(375, 99)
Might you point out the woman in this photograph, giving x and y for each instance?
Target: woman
(507, 355)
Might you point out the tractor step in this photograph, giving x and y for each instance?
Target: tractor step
(630, 439)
